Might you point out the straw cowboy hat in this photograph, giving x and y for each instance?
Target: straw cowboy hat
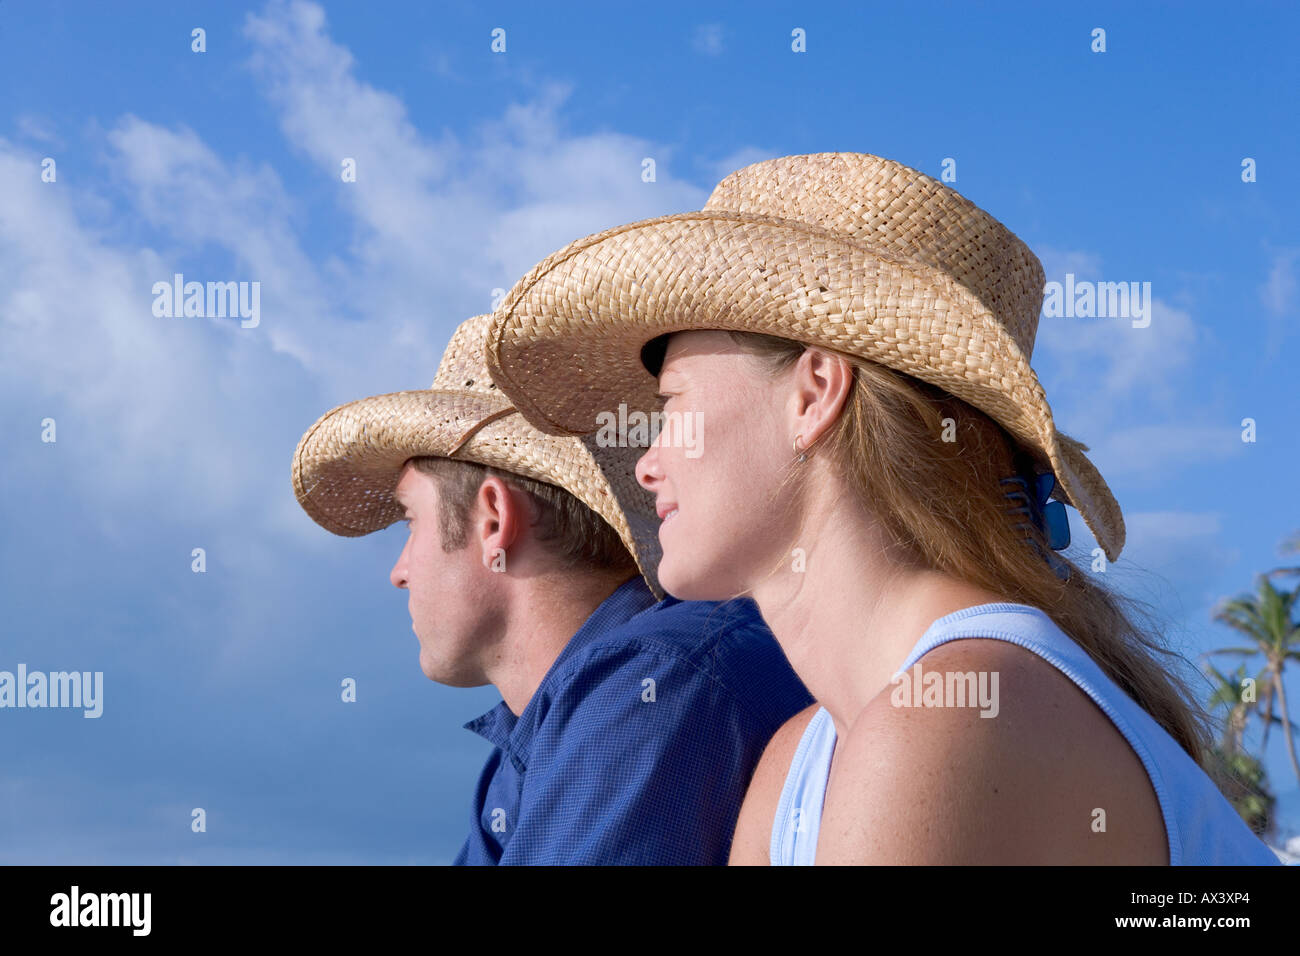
(847, 251)
(347, 465)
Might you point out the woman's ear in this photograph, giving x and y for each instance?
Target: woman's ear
(822, 381)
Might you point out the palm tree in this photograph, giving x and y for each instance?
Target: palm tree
(1230, 693)
(1242, 781)
(1266, 618)
(1238, 775)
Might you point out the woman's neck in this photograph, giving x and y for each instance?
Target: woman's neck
(849, 619)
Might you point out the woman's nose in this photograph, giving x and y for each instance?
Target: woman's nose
(647, 468)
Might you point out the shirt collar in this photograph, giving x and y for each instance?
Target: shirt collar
(514, 735)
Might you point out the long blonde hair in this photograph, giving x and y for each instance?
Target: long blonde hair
(942, 504)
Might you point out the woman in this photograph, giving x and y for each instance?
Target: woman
(874, 471)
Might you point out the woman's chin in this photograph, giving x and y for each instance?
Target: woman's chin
(686, 586)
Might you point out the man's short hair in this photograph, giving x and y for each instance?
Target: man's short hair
(569, 529)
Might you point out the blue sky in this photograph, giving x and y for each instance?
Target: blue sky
(222, 688)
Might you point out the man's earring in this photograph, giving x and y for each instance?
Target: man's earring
(803, 455)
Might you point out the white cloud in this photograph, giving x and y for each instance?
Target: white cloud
(1057, 262)
(1153, 451)
(192, 422)
(1278, 293)
(180, 185)
(1278, 296)
(82, 344)
(37, 128)
(435, 215)
(1108, 360)
(1171, 560)
(708, 39)
(1164, 537)
(1102, 375)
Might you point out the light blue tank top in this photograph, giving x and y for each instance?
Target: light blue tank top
(1202, 827)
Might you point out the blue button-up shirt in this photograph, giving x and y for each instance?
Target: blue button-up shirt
(639, 743)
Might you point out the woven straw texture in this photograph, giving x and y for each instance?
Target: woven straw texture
(847, 251)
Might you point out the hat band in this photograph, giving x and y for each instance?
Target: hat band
(474, 429)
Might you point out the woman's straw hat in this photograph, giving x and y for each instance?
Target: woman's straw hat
(847, 251)
(347, 465)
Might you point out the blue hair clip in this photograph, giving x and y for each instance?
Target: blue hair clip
(1047, 516)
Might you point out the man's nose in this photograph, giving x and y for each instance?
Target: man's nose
(398, 574)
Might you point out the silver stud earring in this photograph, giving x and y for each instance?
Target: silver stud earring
(803, 455)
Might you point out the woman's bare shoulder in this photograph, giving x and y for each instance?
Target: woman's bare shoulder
(752, 841)
(1036, 774)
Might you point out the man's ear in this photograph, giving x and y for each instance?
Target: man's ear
(500, 515)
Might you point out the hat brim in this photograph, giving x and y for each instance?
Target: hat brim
(347, 465)
(565, 345)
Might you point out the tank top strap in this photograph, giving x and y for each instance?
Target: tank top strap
(1018, 623)
(798, 812)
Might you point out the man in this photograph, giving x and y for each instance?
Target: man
(629, 727)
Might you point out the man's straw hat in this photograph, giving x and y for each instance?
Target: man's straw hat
(847, 251)
(347, 465)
